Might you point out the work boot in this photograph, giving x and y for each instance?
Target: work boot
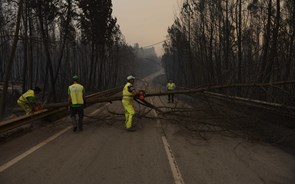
(131, 129)
(134, 125)
(80, 127)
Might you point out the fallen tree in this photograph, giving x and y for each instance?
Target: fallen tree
(186, 91)
(102, 99)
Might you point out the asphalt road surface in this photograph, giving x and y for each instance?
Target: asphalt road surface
(159, 152)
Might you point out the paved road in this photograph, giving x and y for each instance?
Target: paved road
(158, 152)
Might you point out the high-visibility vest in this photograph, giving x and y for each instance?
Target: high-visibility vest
(126, 94)
(76, 93)
(23, 98)
(170, 86)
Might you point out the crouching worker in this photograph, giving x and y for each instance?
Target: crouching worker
(28, 100)
(128, 94)
(76, 100)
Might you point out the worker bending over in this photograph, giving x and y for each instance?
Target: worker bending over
(128, 94)
(170, 87)
(76, 100)
(27, 101)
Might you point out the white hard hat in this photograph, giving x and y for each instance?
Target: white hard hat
(130, 77)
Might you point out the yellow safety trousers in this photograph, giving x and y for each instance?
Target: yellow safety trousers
(25, 107)
(129, 112)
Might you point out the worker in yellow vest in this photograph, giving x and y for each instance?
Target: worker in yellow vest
(27, 101)
(170, 87)
(128, 94)
(77, 101)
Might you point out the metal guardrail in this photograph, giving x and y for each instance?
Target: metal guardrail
(280, 109)
(244, 100)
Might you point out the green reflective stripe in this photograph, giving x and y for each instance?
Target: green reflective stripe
(127, 98)
(31, 99)
(76, 105)
(130, 96)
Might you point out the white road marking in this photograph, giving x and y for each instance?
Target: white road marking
(172, 162)
(35, 148)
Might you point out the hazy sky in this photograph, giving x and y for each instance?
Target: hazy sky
(145, 21)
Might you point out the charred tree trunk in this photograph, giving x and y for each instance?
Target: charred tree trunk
(45, 39)
(266, 43)
(11, 59)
